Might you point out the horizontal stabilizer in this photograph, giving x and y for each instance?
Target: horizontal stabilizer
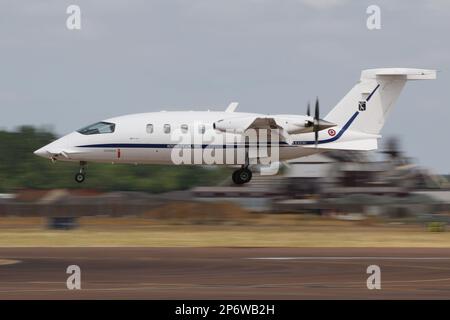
(405, 73)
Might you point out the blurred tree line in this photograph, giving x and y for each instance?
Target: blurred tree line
(20, 168)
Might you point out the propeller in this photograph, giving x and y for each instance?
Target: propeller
(316, 125)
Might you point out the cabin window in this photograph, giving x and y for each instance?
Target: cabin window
(98, 128)
(150, 128)
(201, 129)
(167, 128)
(184, 128)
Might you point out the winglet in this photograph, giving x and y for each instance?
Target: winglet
(231, 107)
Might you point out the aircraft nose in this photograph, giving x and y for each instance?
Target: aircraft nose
(42, 152)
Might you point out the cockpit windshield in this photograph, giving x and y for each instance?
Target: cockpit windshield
(99, 127)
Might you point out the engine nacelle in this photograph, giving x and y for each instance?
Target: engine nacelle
(289, 124)
(294, 125)
(235, 125)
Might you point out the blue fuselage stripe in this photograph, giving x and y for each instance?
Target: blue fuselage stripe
(165, 146)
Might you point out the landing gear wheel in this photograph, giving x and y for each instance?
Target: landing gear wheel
(79, 177)
(242, 176)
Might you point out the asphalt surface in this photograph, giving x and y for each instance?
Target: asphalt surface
(224, 273)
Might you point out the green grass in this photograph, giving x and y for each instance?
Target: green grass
(269, 232)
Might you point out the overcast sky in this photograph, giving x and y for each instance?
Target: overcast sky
(270, 55)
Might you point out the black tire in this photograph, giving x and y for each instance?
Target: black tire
(79, 177)
(242, 176)
(235, 177)
(245, 175)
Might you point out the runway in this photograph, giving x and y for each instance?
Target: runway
(224, 273)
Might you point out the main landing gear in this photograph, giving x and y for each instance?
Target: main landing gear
(80, 176)
(242, 175)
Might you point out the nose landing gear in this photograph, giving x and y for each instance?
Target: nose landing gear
(80, 176)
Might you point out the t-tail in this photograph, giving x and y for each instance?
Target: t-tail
(365, 108)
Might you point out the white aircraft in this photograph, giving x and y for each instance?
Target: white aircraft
(148, 138)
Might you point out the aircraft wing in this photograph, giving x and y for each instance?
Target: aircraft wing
(263, 123)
